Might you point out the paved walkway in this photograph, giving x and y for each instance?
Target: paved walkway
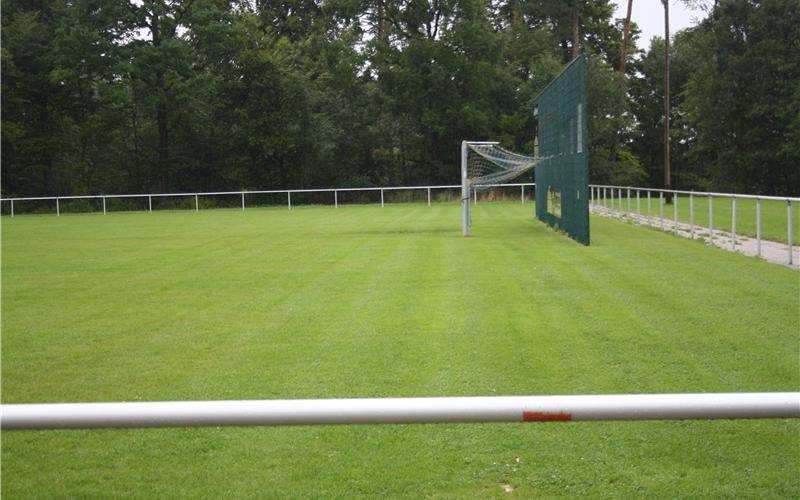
(771, 251)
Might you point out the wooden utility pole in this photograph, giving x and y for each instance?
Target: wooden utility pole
(667, 176)
(626, 33)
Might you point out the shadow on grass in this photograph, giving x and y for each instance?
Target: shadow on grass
(444, 231)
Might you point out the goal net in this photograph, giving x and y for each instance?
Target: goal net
(483, 166)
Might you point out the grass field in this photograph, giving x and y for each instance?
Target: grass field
(362, 301)
(774, 222)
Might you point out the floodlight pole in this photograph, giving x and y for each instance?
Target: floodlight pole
(667, 173)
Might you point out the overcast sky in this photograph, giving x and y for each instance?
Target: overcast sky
(649, 15)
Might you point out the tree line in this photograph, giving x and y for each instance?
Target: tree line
(114, 96)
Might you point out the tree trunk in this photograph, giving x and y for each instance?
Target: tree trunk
(667, 176)
(576, 32)
(626, 34)
(381, 21)
(161, 110)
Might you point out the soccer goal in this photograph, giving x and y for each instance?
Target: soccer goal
(561, 157)
(483, 166)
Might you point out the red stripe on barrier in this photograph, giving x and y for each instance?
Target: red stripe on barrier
(540, 416)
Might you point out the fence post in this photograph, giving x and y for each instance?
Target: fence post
(521, 196)
(733, 223)
(661, 208)
(336, 198)
(149, 203)
(619, 193)
(789, 229)
(675, 213)
(476, 196)
(711, 218)
(196, 204)
(104, 205)
(638, 206)
(242, 200)
(429, 195)
(758, 227)
(381, 197)
(629, 202)
(12, 208)
(691, 215)
(58, 209)
(289, 199)
(649, 211)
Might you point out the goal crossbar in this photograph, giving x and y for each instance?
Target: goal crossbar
(401, 410)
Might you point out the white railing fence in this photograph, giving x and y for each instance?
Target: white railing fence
(620, 199)
(628, 201)
(402, 410)
(332, 196)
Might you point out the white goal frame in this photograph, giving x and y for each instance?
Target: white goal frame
(466, 188)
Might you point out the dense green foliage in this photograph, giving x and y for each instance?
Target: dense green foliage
(369, 301)
(181, 95)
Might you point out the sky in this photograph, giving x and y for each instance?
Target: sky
(649, 15)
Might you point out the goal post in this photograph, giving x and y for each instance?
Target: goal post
(485, 164)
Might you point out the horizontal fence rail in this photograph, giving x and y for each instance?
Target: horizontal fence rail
(286, 192)
(629, 200)
(608, 196)
(401, 410)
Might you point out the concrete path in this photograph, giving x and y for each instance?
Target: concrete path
(771, 251)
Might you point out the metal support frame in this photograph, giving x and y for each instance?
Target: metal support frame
(381, 197)
(429, 195)
(242, 201)
(58, 208)
(335, 198)
(150, 203)
(104, 205)
(401, 410)
(196, 204)
(289, 199)
(691, 216)
(661, 208)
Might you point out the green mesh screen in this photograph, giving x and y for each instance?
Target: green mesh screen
(562, 174)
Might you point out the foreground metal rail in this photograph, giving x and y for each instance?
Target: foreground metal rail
(401, 410)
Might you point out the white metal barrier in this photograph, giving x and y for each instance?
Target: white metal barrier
(402, 410)
(605, 196)
(242, 194)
